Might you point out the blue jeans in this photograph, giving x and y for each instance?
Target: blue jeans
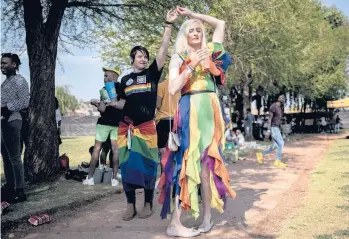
(278, 143)
(11, 153)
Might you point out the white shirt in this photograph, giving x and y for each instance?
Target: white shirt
(227, 135)
(58, 116)
(241, 140)
(323, 121)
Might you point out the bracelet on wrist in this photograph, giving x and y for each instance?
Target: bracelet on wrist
(169, 26)
(167, 22)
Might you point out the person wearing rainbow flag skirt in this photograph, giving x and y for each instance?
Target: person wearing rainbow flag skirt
(137, 139)
(195, 69)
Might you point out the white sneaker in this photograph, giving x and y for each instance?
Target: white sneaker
(88, 181)
(114, 182)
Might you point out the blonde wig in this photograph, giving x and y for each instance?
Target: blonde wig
(181, 44)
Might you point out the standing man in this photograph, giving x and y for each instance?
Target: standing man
(14, 98)
(274, 123)
(107, 125)
(249, 125)
(338, 124)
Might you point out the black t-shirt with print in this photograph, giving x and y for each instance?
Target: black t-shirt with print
(111, 116)
(140, 91)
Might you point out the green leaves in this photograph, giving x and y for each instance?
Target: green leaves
(297, 45)
(289, 44)
(67, 102)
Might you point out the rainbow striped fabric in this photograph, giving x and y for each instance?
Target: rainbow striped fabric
(202, 142)
(139, 164)
(139, 88)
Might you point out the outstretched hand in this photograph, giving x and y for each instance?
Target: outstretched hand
(172, 15)
(184, 11)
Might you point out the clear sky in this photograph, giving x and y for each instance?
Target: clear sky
(83, 70)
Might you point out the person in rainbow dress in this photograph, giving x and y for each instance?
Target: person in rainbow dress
(195, 69)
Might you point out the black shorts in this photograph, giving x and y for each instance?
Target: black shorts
(163, 129)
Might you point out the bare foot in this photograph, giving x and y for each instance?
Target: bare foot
(181, 231)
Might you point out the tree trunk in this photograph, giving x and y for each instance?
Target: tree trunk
(42, 152)
(42, 40)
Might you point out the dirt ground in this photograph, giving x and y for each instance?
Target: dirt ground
(266, 196)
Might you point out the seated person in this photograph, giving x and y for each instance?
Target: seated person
(235, 141)
(240, 139)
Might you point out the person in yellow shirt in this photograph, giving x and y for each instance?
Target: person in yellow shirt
(166, 110)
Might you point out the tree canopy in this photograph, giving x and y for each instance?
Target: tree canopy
(298, 46)
(66, 100)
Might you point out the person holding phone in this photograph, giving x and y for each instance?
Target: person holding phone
(107, 125)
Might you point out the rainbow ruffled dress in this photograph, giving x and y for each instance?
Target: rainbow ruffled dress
(200, 126)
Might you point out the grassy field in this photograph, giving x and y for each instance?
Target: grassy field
(77, 149)
(325, 214)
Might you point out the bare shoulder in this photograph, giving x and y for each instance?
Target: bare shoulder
(176, 60)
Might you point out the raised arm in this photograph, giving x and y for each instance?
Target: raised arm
(162, 54)
(216, 24)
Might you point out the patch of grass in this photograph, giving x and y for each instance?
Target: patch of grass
(345, 190)
(345, 207)
(319, 172)
(343, 233)
(325, 212)
(77, 149)
(325, 236)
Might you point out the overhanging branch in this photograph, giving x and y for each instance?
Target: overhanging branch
(90, 4)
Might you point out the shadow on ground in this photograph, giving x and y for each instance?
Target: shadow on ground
(53, 197)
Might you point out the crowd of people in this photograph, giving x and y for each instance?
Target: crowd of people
(181, 119)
